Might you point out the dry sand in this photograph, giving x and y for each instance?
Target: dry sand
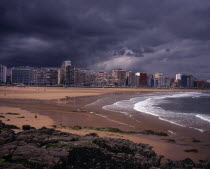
(49, 93)
(24, 117)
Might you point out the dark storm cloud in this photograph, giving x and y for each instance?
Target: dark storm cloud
(90, 33)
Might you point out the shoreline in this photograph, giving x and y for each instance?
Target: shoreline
(70, 112)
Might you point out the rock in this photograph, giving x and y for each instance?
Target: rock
(92, 135)
(21, 117)
(12, 113)
(26, 127)
(49, 148)
(4, 127)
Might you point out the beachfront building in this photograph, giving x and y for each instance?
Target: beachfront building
(201, 84)
(79, 77)
(141, 79)
(185, 80)
(44, 76)
(178, 76)
(130, 79)
(167, 82)
(59, 76)
(21, 75)
(182, 80)
(90, 77)
(119, 76)
(3, 74)
(67, 73)
(191, 81)
(69, 77)
(159, 80)
(150, 80)
(8, 79)
(104, 79)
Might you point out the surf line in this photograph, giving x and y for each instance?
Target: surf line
(112, 120)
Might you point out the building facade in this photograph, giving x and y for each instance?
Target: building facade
(66, 73)
(119, 76)
(130, 79)
(160, 81)
(104, 79)
(21, 75)
(185, 80)
(3, 74)
(141, 79)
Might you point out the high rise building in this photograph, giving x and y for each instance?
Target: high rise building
(8, 76)
(178, 76)
(79, 77)
(44, 76)
(66, 63)
(150, 80)
(67, 73)
(119, 76)
(167, 82)
(185, 80)
(21, 75)
(104, 79)
(59, 76)
(130, 79)
(3, 73)
(90, 77)
(191, 80)
(141, 79)
(159, 80)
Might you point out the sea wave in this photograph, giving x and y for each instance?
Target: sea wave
(203, 117)
(150, 104)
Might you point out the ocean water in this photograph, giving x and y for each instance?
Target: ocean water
(185, 109)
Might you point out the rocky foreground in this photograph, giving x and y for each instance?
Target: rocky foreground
(49, 148)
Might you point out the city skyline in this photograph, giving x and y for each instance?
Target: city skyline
(146, 36)
(98, 71)
(70, 75)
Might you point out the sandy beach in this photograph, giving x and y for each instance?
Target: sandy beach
(64, 108)
(50, 93)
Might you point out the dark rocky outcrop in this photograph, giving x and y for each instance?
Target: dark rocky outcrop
(26, 127)
(13, 113)
(3, 126)
(49, 148)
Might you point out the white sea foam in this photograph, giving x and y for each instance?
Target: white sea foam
(201, 130)
(146, 107)
(99, 101)
(149, 104)
(203, 117)
(171, 132)
(172, 122)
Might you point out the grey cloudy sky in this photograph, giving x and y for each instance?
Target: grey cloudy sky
(142, 35)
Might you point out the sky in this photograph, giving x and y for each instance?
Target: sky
(168, 36)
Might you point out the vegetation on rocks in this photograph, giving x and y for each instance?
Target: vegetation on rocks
(49, 148)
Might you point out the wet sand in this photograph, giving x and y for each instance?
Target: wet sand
(65, 113)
